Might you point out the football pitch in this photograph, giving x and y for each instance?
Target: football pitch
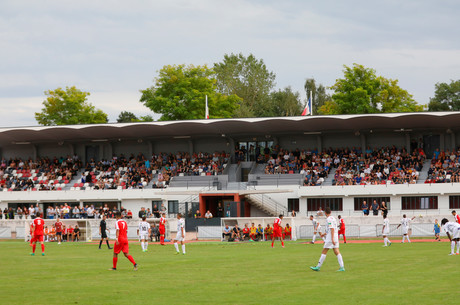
(230, 273)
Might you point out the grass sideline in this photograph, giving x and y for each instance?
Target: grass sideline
(230, 273)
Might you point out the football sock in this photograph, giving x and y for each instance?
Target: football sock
(162, 239)
(314, 238)
(282, 243)
(176, 246)
(115, 259)
(100, 243)
(458, 247)
(404, 238)
(142, 245)
(344, 238)
(34, 246)
(146, 244)
(107, 243)
(43, 248)
(340, 259)
(385, 241)
(321, 260)
(273, 243)
(452, 247)
(183, 248)
(131, 259)
(408, 238)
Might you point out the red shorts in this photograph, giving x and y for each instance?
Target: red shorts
(277, 233)
(121, 247)
(162, 230)
(341, 232)
(37, 238)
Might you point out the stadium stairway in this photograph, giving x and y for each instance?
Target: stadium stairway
(424, 172)
(330, 177)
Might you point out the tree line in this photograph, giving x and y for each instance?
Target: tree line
(241, 87)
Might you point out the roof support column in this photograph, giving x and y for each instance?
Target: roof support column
(442, 142)
(407, 141)
(231, 143)
(35, 151)
(319, 143)
(190, 146)
(363, 143)
(452, 141)
(149, 149)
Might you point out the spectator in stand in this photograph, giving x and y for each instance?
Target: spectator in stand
(155, 211)
(19, 212)
(384, 208)
(129, 215)
(220, 210)
(365, 208)
(293, 213)
(10, 213)
(50, 212)
(375, 208)
(1, 214)
(90, 212)
(208, 215)
(320, 212)
(76, 212)
(197, 214)
(227, 232)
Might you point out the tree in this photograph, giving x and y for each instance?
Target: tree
(285, 103)
(362, 91)
(247, 78)
(320, 97)
(128, 117)
(446, 97)
(180, 92)
(69, 107)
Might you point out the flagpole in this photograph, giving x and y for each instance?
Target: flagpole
(311, 102)
(206, 112)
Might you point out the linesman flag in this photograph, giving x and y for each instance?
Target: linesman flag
(308, 107)
(207, 109)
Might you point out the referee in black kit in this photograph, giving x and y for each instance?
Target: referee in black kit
(102, 231)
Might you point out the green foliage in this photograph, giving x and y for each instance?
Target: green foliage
(128, 117)
(68, 107)
(285, 103)
(249, 79)
(180, 92)
(320, 97)
(361, 91)
(446, 97)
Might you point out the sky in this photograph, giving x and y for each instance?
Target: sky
(113, 49)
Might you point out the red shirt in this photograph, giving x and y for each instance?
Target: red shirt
(122, 228)
(70, 230)
(162, 221)
(38, 224)
(246, 230)
(58, 226)
(342, 224)
(277, 223)
(457, 218)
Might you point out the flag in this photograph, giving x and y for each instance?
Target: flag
(308, 110)
(207, 109)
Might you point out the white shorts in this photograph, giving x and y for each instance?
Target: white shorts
(456, 234)
(405, 230)
(386, 232)
(317, 231)
(144, 236)
(329, 245)
(179, 236)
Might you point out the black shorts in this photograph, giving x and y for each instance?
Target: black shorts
(58, 233)
(104, 235)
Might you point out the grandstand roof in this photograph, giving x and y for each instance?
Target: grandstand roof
(232, 127)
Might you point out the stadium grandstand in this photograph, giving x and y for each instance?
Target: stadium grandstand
(258, 167)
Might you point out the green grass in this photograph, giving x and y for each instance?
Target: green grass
(230, 273)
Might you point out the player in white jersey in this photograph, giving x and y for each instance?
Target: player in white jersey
(386, 230)
(331, 242)
(143, 231)
(452, 230)
(316, 228)
(405, 223)
(180, 236)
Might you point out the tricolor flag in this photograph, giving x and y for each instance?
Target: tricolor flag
(207, 109)
(308, 109)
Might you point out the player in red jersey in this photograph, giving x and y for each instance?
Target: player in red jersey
(457, 217)
(58, 226)
(342, 228)
(121, 244)
(278, 230)
(37, 234)
(162, 228)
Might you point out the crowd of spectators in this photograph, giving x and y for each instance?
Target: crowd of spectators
(353, 166)
(41, 174)
(445, 167)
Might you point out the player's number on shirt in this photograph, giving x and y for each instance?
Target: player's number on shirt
(122, 225)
